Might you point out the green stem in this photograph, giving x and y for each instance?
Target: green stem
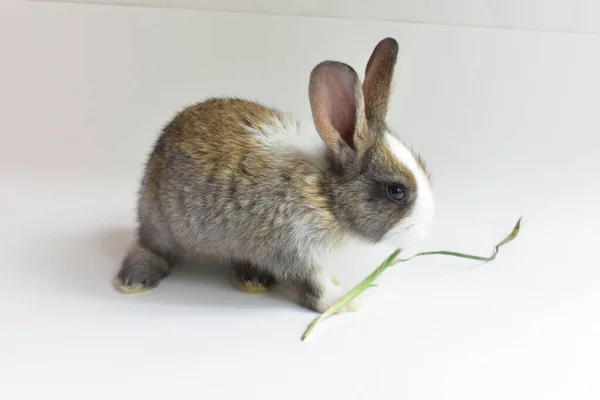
(392, 260)
(353, 293)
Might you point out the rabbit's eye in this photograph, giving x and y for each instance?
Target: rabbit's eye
(396, 192)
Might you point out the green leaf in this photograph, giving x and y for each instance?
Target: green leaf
(393, 260)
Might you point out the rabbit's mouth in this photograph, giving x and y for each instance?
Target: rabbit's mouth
(406, 236)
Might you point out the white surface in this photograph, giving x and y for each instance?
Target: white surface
(507, 121)
(551, 15)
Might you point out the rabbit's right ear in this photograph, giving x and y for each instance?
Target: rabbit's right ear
(337, 105)
(378, 80)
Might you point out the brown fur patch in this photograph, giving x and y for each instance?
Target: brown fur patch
(313, 193)
(214, 134)
(388, 159)
(133, 289)
(250, 287)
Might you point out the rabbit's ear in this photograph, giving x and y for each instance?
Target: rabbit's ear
(378, 81)
(336, 100)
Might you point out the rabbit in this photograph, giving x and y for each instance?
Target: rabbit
(273, 196)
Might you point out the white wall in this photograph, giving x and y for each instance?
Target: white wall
(562, 15)
(507, 121)
(92, 72)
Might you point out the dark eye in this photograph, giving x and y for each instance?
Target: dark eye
(396, 192)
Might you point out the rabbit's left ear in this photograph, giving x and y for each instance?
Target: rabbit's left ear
(336, 101)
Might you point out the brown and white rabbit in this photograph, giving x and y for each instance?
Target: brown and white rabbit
(252, 185)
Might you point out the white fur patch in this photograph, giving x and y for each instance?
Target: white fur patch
(286, 135)
(332, 293)
(413, 229)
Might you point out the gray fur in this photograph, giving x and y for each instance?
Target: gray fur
(243, 219)
(198, 199)
(243, 271)
(254, 220)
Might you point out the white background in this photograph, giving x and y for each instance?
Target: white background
(554, 15)
(506, 119)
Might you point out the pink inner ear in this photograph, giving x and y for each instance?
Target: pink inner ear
(342, 107)
(335, 96)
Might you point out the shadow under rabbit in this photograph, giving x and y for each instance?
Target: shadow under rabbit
(88, 263)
